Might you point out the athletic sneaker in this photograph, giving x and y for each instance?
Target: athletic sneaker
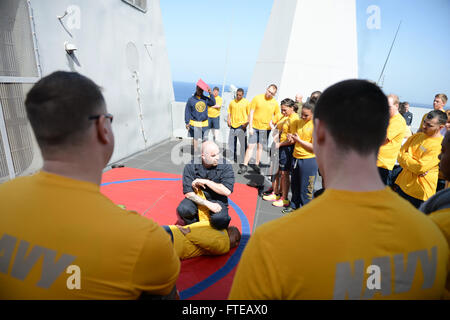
(281, 203)
(242, 169)
(256, 168)
(268, 192)
(271, 197)
(287, 210)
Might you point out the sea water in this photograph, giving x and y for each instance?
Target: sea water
(184, 90)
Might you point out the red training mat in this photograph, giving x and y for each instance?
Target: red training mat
(156, 196)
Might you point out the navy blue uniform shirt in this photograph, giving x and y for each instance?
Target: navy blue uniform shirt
(408, 117)
(221, 174)
(197, 108)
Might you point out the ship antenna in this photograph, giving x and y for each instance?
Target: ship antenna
(387, 58)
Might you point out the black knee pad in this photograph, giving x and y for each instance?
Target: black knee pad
(188, 211)
(220, 220)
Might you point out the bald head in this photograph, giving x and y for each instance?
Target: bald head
(210, 154)
(209, 146)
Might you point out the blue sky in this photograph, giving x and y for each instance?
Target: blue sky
(419, 65)
(198, 32)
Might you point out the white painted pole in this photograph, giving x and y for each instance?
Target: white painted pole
(228, 51)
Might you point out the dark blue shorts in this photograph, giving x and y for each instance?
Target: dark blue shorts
(285, 154)
(198, 132)
(214, 123)
(259, 136)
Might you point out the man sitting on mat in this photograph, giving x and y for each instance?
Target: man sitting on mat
(199, 239)
(207, 184)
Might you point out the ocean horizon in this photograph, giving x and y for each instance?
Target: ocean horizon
(184, 90)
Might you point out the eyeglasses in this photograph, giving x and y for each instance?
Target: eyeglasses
(106, 115)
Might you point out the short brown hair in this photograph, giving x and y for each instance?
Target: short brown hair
(395, 97)
(59, 105)
(442, 96)
(356, 113)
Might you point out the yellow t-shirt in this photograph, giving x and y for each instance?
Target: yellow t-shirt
(202, 240)
(324, 251)
(408, 132)
(49, 223)
(442, 219)
(286, 125)
(419, 155)
(213, 112)
(305, 133)
(239, 111)
(264, 111)
(387, 155)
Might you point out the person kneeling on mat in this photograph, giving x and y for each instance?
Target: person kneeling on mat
(206, 186)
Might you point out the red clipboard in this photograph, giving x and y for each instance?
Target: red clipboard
(202, 85)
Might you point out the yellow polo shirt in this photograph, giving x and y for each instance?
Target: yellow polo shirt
(239, 111)
(213, 112)
(419, 155)
(305, 133)
(388, 153)
(264, 111)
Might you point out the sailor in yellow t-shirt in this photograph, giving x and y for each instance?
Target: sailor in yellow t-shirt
(214, 114)
(418, 158)
(200, 239)
(439, 102)
(359, 239)
(60, 238)
(280, 180)
(388, 153)
(237, 121)
(264, 109)
(438, 206)
(304, 165)
(442, 219)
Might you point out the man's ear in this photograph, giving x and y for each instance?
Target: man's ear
(103, 126)
(319, 129)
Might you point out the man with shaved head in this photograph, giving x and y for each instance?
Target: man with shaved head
(206, 187)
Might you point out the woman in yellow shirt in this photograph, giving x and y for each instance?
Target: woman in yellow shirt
(285, 148)
(304, 165)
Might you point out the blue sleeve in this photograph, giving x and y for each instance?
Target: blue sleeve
(187, 112)
(211, 101)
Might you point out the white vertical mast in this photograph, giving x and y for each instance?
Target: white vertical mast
(230, 35)
(308, 45)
